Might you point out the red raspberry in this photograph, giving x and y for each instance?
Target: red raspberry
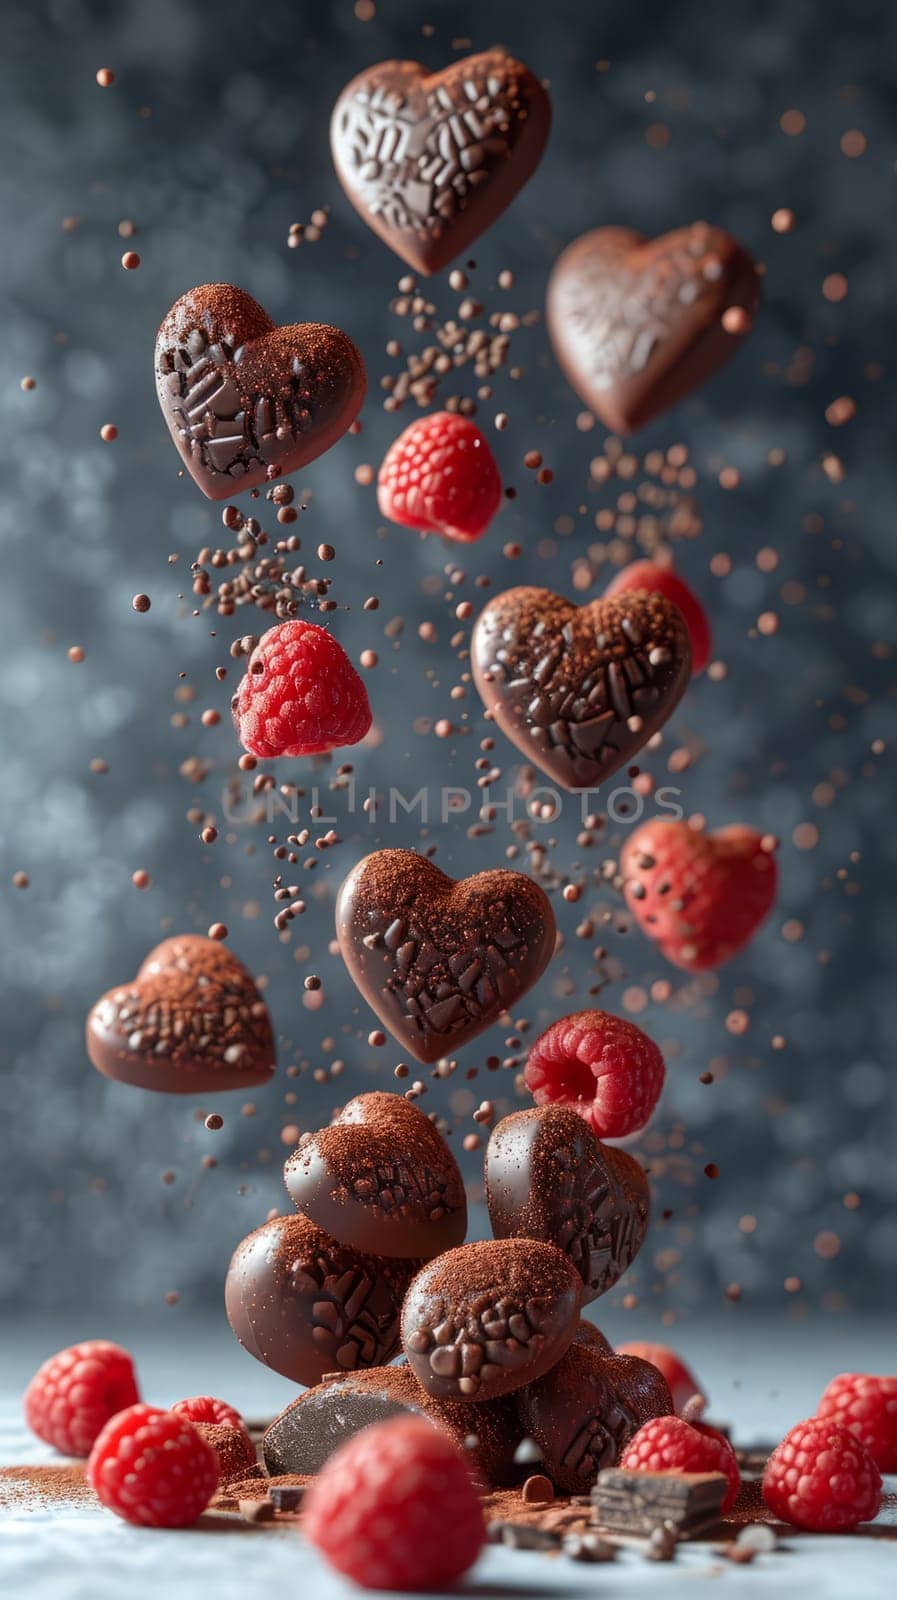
(153, 1467)
(602, 1066)
(73, 1395)
(300, 696)
(395, 1508)
(868, 1407)
(682, 1383)
(700, 896)
(663, 580)
(440, 476)
(822, 1478)
(204, 1408)
(669, 1444)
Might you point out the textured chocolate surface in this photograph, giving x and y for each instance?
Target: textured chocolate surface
(583, 1412)
(381, 1178)
(637, 323)
(580, 689)
(305, 1305)
(548, 1177)
(430, 160)
(438, 961)
(638, 1502)
(190, 1021)
(243, 397)
(482, 1320)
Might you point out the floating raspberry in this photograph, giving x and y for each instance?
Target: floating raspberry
(663, 580)
(822, 1478)
(301, 695)
(395, 1508)
(72, 1396)
(683, 1385)
(699, 896)
(669, 1444)
(205, 1408)
(868, 1407)
(153, 1467)
(602, 1066)
(440, 476)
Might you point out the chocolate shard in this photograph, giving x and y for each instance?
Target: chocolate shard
(638, 1502)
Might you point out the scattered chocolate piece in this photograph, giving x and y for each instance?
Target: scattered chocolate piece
(523, 1536)
(637, 1502)
(286, 1496)
(584, 1411)
(588, 1547)
(537, 1489)
(661, 1543)
(256, 1510)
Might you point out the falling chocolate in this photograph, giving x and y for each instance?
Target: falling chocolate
(382, 1179)
(192, 1020)
(638, 323)
(548, 1177)
(580, 689)
(246, 401)
(439, 960)
(583, 1413)
(429, 161)
(489, 1317)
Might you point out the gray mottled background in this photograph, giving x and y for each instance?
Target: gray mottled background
(213, 140)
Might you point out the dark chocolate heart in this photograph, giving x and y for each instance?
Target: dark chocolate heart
(439, 960)
(246, 401)
(583, 1413)
(548, 1177)
(192, 1020)
(637, 323)
(381, 1178)
(429, 160)
(580, 689)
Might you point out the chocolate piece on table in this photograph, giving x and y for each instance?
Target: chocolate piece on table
(638, 1502)
(583, 1412)
(191, 1021)
(246, 401)
(286, 1496)
(440, 960)
(548, 1177)
(381, 1178)
(580, 689)
(489, 1317)
(304, 1305)
(638, 323)
(430, 160)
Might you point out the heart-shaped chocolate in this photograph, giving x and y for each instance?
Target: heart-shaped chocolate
(638, 323)
(191, 1020)
(246, 401)
(548, 1177)
(380, 1178)
(439, 960)
(580, 689)
(430, 160)
(583, 1413)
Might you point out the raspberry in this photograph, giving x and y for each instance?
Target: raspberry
(602, 1066)
(868, 1407)
(700, 896)
(153, 1467)
(822, 1478)
(668, 1444)
(73, 1395)
(300, 695)
(395, 1508)
(663, 580)
(440, 476)
(683, 1385)
(204, 1408)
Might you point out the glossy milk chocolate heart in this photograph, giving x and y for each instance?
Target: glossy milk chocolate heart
(638, 323)
(429, 160)
(246, 401)
(439, 960)
(192, 1020)
(580, 689)
(583, 1413)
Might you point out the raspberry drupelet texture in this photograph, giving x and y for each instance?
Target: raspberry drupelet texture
(822, 1478)
(600, 1065)
(683, 1385)
(440, 476)
(669, 1444)
(868, 1407)
(663, 580)
(72, 1396)
(153, 1467)
(300, 695)
(205, 1408)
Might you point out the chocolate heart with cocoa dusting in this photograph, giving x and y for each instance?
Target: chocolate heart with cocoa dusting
(438, 961)
(191, 1020)
(548, 1177)
(583, 1413)
(580, 689)
(637, 323)
(429, 160)
(246, 401)
(380, 1178)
